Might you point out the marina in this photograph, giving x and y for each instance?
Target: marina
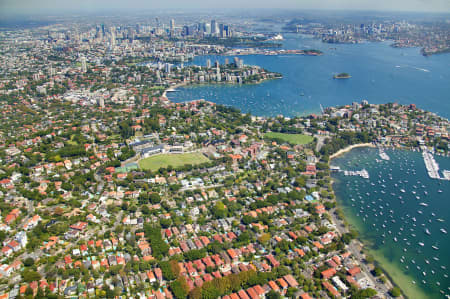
(446, 174)
(362, 173)
(407, 236)
(383, 154)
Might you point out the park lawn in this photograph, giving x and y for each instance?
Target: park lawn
(175, 160)
(290, 138)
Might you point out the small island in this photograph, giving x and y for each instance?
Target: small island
(312, 52)
(342, 76)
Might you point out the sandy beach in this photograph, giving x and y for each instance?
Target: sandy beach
(173, 87)
(349, 148)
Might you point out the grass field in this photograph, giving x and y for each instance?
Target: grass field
(175, 160)
(290, 138)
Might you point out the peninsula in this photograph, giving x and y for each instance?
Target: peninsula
(255, 51)
(228, 73)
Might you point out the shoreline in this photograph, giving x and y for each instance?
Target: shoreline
(173, 87)
(389, 270)
(347, 225)
(217, 83)
(349, 148)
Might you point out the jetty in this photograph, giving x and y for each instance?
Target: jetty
(334, 168)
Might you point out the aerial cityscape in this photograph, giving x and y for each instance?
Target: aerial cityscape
(183, 150)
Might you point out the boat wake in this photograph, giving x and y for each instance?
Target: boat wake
(413, 67)
(423, 70)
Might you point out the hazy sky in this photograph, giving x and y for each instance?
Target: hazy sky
(52, 6)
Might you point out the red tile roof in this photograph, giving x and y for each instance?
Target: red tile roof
(328, 273)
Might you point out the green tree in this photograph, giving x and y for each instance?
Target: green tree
(29, 275)
(219, 210)
(154, 198)
(395, 292)
(179, 288)
(166, 269)
(29, 291)
(273, 295)
(377, 271)
(28, 262)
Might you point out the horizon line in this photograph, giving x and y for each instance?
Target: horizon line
(135, 11)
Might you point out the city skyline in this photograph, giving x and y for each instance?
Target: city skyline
(52, 6)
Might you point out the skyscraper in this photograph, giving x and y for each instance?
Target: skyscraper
(213, 27)
(241, 63)
(221, 30)
(218, 76)
(101, 102)
(227, 31)
(167, 68)
(172, 24)
(208, 28)
(186, 31)
(83, 64)
(202, 27)
(51, 71)
(113, 38)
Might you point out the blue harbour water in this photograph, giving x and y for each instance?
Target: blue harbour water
(379, 73)
(392, 211)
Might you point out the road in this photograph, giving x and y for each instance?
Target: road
(320, 141)
(339, 225)
(201, 187)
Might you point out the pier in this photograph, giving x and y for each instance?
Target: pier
(335, 168)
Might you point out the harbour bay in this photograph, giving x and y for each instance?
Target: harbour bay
(400, 213)
(379, 74)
